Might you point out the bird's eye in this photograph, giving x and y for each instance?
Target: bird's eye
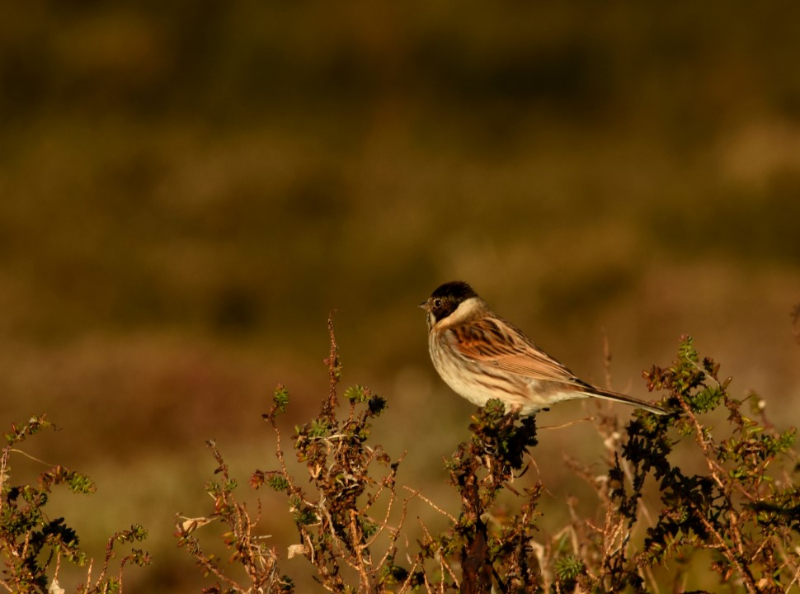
(437, 303)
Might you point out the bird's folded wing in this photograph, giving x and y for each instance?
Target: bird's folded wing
(498, 344)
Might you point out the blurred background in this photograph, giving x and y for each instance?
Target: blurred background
(188, 188)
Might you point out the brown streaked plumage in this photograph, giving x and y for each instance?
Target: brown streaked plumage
(481, 356)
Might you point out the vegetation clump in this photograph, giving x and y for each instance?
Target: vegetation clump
(733, 521)
(742, 508)
(33, 545)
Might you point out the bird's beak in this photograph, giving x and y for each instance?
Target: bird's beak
(423, 305)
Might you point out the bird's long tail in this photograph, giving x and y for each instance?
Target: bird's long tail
(617, 397)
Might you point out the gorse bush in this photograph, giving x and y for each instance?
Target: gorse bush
(734, 523)
(743, 509)
(33, 545)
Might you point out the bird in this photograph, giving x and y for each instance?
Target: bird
(481, 356)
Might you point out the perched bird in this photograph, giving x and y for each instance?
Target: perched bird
(481, 356)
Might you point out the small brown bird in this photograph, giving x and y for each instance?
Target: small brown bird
(481, 356)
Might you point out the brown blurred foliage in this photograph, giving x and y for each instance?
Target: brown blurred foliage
(187, 189)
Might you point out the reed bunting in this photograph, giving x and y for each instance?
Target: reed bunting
(481, 356)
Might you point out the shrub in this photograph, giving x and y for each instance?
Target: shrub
(735, 522)
(743, 508)
(32, 545)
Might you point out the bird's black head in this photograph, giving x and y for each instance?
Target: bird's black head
(446, 299)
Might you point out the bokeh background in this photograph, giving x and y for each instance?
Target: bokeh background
(188, 188)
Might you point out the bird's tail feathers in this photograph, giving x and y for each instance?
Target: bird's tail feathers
(617, 397)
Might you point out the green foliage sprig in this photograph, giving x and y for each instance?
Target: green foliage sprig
(337, 528)
(32, 545)
(249, 550)
(737, 509)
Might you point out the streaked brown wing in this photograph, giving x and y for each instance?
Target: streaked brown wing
(495, 342)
